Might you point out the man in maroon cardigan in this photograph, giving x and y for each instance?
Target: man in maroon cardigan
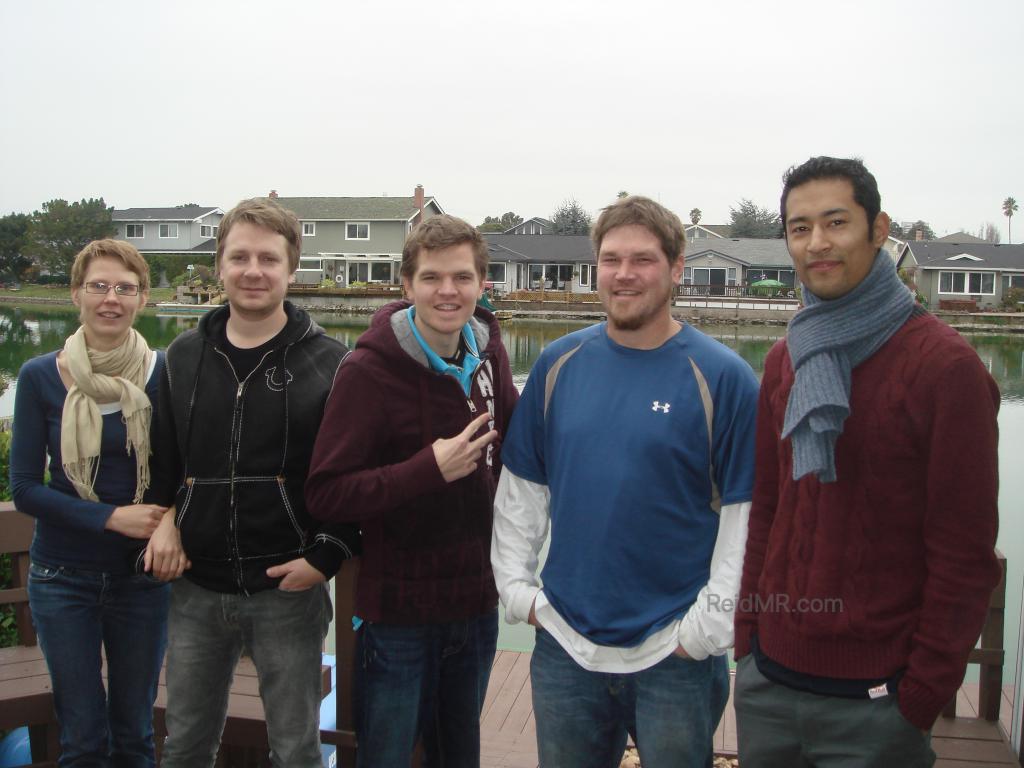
(870, 553)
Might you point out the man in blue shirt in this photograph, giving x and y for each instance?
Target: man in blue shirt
(633, 440)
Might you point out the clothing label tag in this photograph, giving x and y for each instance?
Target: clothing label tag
(878, 691)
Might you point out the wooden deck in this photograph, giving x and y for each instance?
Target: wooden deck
(508, 731)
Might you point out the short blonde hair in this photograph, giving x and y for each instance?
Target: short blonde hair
(263, 212)
(108, 248)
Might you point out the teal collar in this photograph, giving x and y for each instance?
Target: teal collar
(463, 374)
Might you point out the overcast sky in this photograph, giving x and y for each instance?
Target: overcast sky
(512, 106)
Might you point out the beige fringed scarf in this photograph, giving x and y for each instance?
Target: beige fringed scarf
(118, 375)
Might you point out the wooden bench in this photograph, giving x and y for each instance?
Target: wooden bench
(26, 696)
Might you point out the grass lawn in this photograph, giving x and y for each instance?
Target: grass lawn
(62, 292)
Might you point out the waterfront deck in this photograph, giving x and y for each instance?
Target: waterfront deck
(508, 730)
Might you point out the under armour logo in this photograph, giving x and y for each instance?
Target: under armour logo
(657, 406)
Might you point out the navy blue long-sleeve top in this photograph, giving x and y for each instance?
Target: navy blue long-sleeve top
(69, 529)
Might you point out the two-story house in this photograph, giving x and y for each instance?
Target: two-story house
(350, 240)
(184, 229)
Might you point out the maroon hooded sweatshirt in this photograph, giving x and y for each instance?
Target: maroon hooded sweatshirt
(426, 542)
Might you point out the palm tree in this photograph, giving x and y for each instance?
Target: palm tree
(1009, 208)
(695, 215)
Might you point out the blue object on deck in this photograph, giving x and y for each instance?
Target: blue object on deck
(328, 714)
(15, 749)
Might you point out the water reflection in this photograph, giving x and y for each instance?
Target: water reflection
(32, 330)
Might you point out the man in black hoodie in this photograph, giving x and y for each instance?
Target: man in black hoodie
(409, 449)
(241, 399)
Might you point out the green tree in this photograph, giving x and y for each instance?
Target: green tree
(501, 223)
(1009, 208)
(622, 193)
(750, 220)
(61, 229)
(571, 219)
(695, 214)
(910, 233)
(13, 239)
(895, 230)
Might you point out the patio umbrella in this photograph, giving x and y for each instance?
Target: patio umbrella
(769, 283)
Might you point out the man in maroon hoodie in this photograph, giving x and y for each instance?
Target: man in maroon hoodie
(870, 552)
(409, 449)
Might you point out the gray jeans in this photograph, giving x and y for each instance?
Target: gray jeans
(207, 632)
(779, 727)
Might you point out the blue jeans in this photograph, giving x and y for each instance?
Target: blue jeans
(77, 612)
(428, 680)
(283, 632)
(583, 717)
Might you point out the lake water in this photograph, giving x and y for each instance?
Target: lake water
(32, 330)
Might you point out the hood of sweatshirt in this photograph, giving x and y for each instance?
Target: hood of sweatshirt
(390, 334)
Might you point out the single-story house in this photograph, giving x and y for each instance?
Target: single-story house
(554, 262)
(725, 262)
(981, 272)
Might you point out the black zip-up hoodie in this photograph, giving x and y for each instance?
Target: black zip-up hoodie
(233, 455)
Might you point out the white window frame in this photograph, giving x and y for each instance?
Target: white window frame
(168, 236)
(309, 229)
(318, 268)
(213, 228)
(966, 277)
(504, 272)
(1010, 278)
(128, 232)
(357, 224)
(584, 282)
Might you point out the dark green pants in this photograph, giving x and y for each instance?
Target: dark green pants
(778, 727)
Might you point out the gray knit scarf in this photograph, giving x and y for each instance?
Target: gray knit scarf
(827, 340)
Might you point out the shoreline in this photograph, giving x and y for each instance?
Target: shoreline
(963, 322)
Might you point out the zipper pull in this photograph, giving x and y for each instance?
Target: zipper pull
(238, 395)
(472, 407)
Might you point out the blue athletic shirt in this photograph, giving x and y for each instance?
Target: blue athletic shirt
(620, 437)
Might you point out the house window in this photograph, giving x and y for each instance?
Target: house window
(496, 272)
(551, 277)
(380, 272)
(357, 231)
(585, 275)
(732, 276)
(967, 283)
(687, 275)
(309, 229)
(311, 264)
(168, 231)
(208, 230)
(135, 231)
(1013, 281)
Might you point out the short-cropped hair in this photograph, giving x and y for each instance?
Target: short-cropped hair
(643, 211)
(442, 232)
(264, 212)
(865, 188)
(108, 248)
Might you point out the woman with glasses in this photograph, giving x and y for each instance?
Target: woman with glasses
(87, 409)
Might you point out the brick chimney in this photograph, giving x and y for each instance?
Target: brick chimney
(920, 235)
(273, 194)
(418, 200)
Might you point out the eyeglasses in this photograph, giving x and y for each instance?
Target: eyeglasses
(121, 289)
